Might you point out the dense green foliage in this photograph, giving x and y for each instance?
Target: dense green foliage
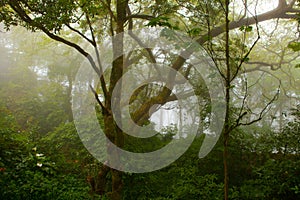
(56, 166)
(26, 173)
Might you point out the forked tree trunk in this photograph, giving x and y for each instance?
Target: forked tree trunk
(112, 131)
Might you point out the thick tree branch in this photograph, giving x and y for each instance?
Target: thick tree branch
(139, 16)
(283, 10)
(279, 12)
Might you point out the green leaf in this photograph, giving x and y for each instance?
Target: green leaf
(163, 22)
(295, 46)
(248, 28)
(297, 66)
(194, 31)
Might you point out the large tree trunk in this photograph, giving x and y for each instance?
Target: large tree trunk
(112, 131)
(116, 135)
(117, 185)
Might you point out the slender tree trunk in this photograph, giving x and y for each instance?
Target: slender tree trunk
(226, 130)
(225, 156)
(69, 99)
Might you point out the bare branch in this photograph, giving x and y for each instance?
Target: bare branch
(102, 80)
(264, 64)
(243, 103)
(109, 10)
(263, 111)
(245, 57)
(98, 100)
(81, 34)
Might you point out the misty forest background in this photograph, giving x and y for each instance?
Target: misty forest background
(41, 154)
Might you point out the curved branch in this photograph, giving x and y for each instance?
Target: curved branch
(22, 14)
(81, 34)
(279, 12)
(262, 112)
(139, 16)
(103, 84)
(149, 51)
(282, 11)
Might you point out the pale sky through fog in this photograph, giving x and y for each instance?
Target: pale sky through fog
(4, 61)
(254, 6)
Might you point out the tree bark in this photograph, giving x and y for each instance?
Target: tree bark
(226, 130)
(113, 132)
